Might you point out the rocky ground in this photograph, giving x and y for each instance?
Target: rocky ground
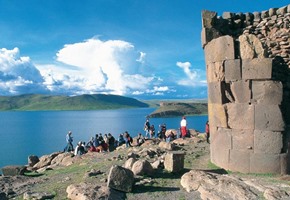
(61, 176)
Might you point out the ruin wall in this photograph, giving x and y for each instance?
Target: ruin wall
(248, 75)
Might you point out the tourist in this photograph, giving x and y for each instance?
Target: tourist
(111, 142)
(106, 139)
(128, 139)
(207, 131)
(97, 143)
(80, 150)
(69, 139)
(121, 140)
(170, 137)
(152, 131)
(183, 130)
(147, 128)
(101, 139)
(140, 139)
(162, 131)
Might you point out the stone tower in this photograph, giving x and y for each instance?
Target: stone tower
(248, 74)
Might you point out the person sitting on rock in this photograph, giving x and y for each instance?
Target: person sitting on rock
(121, 140)
(80, 149)
(140, 139)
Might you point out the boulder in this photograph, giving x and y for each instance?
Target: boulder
(58, 160)
(129, 163)
(142, 167)
(166, 145)
(32, 160)
(37, 195)
(120, 178)
(86, 191)
(13, 170)
(171, 131)
(226, 187)
(157, 164)
(45, 160)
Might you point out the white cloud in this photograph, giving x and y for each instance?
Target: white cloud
(141, 59)
(18, 74)
(193, 76)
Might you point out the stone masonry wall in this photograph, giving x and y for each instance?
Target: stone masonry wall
(248, 74)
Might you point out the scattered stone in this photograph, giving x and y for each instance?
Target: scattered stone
(13, 170)
(129, 163)
(166, 145)
(174, 161)
(142, 167)
(120, 178)
(86, 191)
(37, 196)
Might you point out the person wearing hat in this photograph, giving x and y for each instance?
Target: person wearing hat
(69, 139)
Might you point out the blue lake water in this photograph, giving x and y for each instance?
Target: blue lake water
(43, 132)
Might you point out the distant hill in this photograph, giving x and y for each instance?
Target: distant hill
(172, 109)
(81, 102)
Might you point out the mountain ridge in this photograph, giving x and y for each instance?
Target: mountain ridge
(57, 102)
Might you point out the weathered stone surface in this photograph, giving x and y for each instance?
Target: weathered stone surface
(251, 47)
(240, 160)
(32, 160)
(208, 18)
(142, 167)
(220, 49)
(45, 160)
(129, 163)
(221, 143)
(13, 170)
(265, 163)
(37, 195)
(215, 72)
(267, 142)
(256, 69)
(240, 116)
(208, 34)
(219, 93)
(268, 118)
(242, 140)
(58, 160)
(121, 179)
(216, 186)
(233, 70)
(84, 191)
(166, 145)
(174, 161)
(241, 91)
(267, 92)
(217, 115)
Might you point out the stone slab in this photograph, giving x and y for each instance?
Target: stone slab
(216, 92)
(268, 118)
(267, 92)
(241, 91)
(215, 72)
(217, 115)
(268, 142)
(220, 49)
(233, 70)
(174, 161)
(251, 47)
(265, 163)
(240, 116)
(240, 161)
(258, 68)
(242, 140)
(208, 34)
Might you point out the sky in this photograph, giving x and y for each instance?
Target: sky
(145, 49)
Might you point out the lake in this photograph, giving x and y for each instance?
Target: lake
(25, 133)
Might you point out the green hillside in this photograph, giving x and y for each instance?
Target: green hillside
(81, 102)
(172, 109)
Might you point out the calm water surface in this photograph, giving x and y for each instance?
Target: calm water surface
(43, 132)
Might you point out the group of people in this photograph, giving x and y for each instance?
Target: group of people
(107, 142)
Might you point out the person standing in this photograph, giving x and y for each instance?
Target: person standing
(183, 124)
(207, 131)
(69, 140)
(147, 128)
